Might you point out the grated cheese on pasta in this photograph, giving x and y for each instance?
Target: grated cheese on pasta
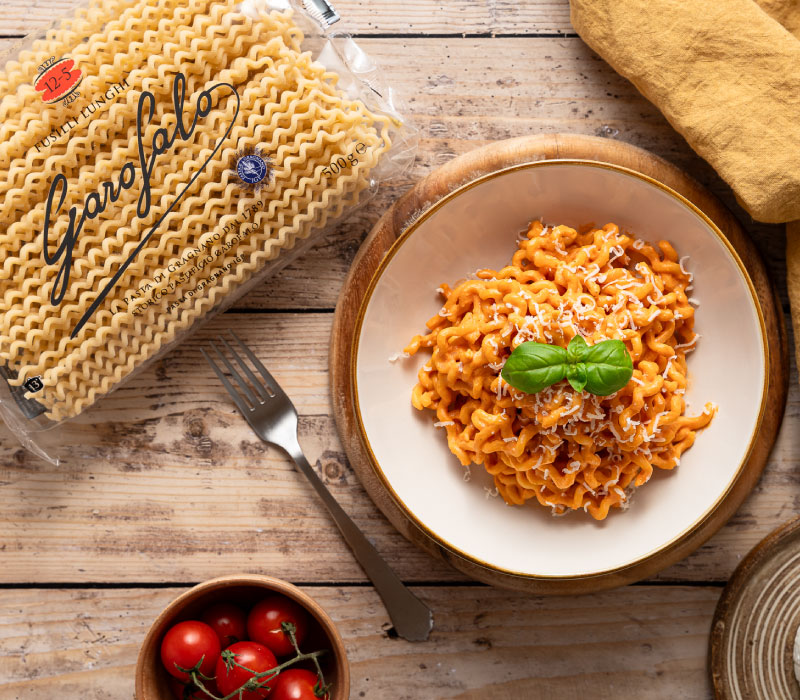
(563, 449)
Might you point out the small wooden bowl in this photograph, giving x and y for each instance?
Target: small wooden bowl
(244, 590)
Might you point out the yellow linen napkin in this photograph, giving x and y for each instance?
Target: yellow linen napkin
(726, 74)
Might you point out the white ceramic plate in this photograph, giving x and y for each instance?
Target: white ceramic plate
(477, 226)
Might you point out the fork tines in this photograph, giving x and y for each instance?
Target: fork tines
(253, 392)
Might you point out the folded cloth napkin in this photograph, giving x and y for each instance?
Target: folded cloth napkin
(726, 74)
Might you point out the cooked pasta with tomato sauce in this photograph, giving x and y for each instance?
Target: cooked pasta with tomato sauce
(567, 450)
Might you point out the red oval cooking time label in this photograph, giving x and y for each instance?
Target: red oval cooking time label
(58, 80)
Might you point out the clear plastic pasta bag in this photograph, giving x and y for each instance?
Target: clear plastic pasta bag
(159, 158)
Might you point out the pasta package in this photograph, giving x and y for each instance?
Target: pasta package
(157, 159)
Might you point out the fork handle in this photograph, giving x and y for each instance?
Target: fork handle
(412, 619)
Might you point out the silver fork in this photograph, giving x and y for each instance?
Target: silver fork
(273, 417)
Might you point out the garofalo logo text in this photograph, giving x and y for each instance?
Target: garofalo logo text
(130, 176)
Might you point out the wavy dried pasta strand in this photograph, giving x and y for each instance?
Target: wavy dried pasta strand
(110, 235)
(255, 249)
(86, 22)
(29, 120)
(200, 50)
(88, 181)
(113, 52)
(69, 37)
(87, 284)
(564, 449)
(291, 109)
(194, 53)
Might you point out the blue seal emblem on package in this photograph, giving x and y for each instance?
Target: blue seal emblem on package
(252, 169)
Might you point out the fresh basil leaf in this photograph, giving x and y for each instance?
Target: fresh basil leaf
(609, 367)
(600, 369)
(532, 367)
(577, 375)
(577, 348)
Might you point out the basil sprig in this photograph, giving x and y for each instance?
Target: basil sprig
(600, 369)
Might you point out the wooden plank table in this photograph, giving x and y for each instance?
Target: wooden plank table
(166, 486)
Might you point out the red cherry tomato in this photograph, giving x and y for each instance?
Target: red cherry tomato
(295, 684)
(228, 621)
(256, 658)
(264, 624)
(185, 644)
(183, 691)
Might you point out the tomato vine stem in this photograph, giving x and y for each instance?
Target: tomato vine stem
(259, 679)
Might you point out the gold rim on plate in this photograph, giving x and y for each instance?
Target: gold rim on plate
(675, 541)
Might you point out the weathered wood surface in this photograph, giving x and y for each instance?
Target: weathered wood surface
(465, 93)
(169, 486)
(468, 92)
(167, 483)
(374, 17)
(648, 643)
(180, 489)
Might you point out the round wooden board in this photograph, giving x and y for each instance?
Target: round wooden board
(495, 157)
(752, 636)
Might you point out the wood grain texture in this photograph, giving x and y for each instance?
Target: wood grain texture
(166, 483)
(470, 92)
(648, 643)
(375, 17)
(489, 159)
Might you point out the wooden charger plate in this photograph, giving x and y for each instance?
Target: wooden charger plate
(489, 159)
(757, 617)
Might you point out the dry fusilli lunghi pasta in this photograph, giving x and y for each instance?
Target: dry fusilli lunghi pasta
(567, 450)
(125, 216)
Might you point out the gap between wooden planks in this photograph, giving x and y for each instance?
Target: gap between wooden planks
(463, 97)
(374, 17)
(460, 98)
(165, 482)
(643, 642)
(463, 93)
(165, 497)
